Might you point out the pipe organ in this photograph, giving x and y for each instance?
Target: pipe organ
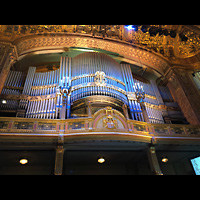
(91, 76)
(154, 114)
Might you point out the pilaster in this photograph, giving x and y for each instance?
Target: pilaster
(160, 101)
(59, 160)
(185, 93)
(153, 160)
(9, 59)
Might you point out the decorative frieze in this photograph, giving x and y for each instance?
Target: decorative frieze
(67, 40)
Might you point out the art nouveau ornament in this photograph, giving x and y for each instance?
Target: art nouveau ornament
(99, 78)
(109, 122)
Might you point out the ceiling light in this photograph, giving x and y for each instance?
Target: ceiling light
(183, 37)
(172, 33)
(165, 32)
(129, 27)
(153, 31)
(23, 161)
(144, 28)
(4, 101)
(101, 160)
(165, 159)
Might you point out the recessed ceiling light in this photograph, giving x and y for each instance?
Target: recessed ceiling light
(101, 160)
(4, 101)
(165, 159)
(23, 161)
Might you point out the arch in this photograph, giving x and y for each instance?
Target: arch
(62, 41)
(119, 121)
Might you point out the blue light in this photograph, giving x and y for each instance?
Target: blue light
(196, 165)
(129, 27)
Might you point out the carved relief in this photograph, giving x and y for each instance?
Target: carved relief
(110, 122)
(119, 47)
(108, 118)
(99, 78)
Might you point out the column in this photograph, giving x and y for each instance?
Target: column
(125, 110)
(160, 101)
(7, 61)
(153, 160)
(89, 109)
(144, 112)
(185, 93)
(63, 111)
(59, 160)
(68, 107)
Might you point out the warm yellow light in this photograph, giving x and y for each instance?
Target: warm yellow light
(4, 101)
(164, 159)
(23, 161)
(101, 160)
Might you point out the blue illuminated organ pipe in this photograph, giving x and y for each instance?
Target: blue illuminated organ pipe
(14, 79)
(154, 115)
(81, 72)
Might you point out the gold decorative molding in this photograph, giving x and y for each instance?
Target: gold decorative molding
(27, 97)
(93, 75)
(44, 86)
(92, 84)
(31, 129)
(131, 96)
(36, 43)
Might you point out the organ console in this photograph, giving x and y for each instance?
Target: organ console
(89, 77)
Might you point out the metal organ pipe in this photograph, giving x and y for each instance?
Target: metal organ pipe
(81, 72)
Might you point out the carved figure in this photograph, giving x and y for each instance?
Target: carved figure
(109, 122)
(99, 78)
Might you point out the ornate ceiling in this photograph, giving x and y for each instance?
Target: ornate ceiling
(176, 49)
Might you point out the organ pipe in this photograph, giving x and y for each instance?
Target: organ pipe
(79, 74)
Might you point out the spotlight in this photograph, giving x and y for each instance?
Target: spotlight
(23, 161)
(173, 33)
(164, 159)
(144, 28)
(160, 31)
(129, 27)
(153, 31)
(165, 32)
(183, 37)
(101, 160)
(135, 27)
(4, 101)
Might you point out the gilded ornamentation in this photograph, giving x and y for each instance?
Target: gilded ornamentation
(109, 122)
(99, 78)
(68, 40)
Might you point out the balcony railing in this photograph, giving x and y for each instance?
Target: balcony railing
(142, 130)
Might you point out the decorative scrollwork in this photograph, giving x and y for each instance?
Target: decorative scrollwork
(99, 78)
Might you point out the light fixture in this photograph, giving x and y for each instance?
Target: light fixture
(164, 159)
(101, 160)
(183, 37)
(172, 33)
(131, 27)
(144, 28)
(23, 161)
(4, 101)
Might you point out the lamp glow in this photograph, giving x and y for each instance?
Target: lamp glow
(164, 159)
(130, 27)
(4, 101)
(23, 161)
(101, 160)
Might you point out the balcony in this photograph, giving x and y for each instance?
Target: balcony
(79, 129)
